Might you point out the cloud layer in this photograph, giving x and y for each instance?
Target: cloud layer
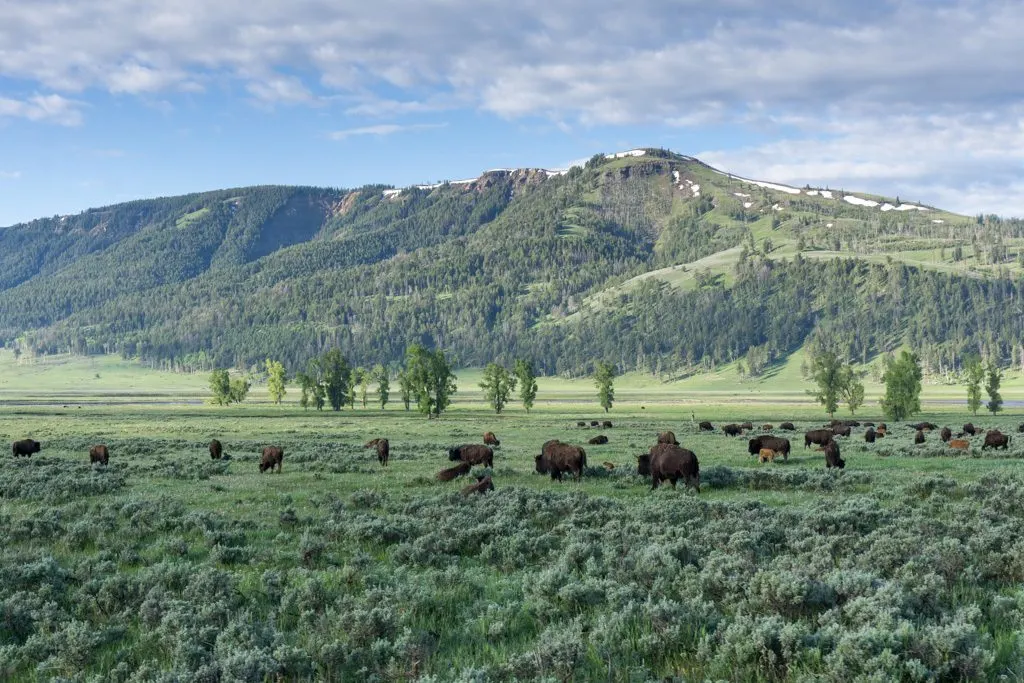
(897, 91)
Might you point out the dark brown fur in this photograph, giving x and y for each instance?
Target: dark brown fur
(490, 439)
(946, 434)
(706, 427)
(25, 447)
(969, 429)
(216, 450)
(919, 437)
(598, 440)
(607, 424)
(996, 439)
(459, 470)
(557, 458)
(869, 435)
(817, 436)
(732, 430)
(474, 454)
(483, 485)
(788, 426)
(273, 456)
(777, 444)
(100, 454)
(841, 430)
(832, 458)
(383, 449)
(668, 462)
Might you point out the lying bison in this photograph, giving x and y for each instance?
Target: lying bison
(819, 437)
(598, 440)
(832, 458)
(672, 463)
(383, 449)
(924, 426)
(960, 444)
(775, 443)
(946, 434)
(557, 458)
(216, 450)
(25, 447)
(996, 439)
(459, 470)
(732, 430)
(99, 454)
(788, 426)
(490, 439)
(594, 423)
(474, 454)
(668, 437)
(483, 485)
(706, 426)
(273, 456)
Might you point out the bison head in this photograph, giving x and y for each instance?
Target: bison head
(754, 446)
(643, 465)
(35, 447)
(484, 483)
(541, 464)
(454, 454)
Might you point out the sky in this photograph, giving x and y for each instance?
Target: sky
(104, 101)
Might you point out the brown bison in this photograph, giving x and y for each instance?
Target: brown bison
(383, 449)
(869, 435)
(581, 424)
(881, 432)
(919, 436)
(273, 456)
(924, 426)
(670, 462)
(1020, 428)
(607, 424)
(766, 455)
(732, 430)
(490, 439)
(459, 470)
(483, 485)
(996, 439)
(25, 447)
(832, 458)
(557, 458)
(961, 444)
(946, 434)
(598, 440)
(844, 423)
(840, 430)
(788, 426)
(767, 428)
(820, 437)
(777, 444)
(668, 437)
(747, 425)
(706, 426)
(216, 450)
(99, 454)
(474, 454)
(969, 429)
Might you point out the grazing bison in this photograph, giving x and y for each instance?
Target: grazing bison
(869, 435)
(766, 455)
(25, 447)
(996, 439)
(840, 430)
(788, 426)
(557, 457)
(706, 426)
(99, 454)
(598, 440)
(767, 428)
(732, 430)
(747, 425)
(608, 465)
(919, 437)
(607, 424)
(832, 458)
(777, 444)
(216, 450)
(472, 453)
(969, 429)
(946, 434)
(668, 437)
(490, 439)
(819, 437)
(961, 444)
(383, 449)
(459, 470)
(670, 462)
(483, 485)
(273, 456)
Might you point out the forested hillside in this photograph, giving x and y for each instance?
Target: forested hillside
(650, 259)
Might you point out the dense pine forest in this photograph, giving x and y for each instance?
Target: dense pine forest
(654, 261)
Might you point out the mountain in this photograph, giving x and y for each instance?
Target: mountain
(651, 259)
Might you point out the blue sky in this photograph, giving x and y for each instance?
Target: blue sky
(103, 101)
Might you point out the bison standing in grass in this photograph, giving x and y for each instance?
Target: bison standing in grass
(832, 458)
(732, 430)
(969, 429)
(819, 437)
(919, 437)
(668, 437)
(667, 462)
(775, 443)
(25, 447)
(557, 458)
(474, 454)
(840, 430)
(996, 439)
(383, 449)
(706, 427)
(272, 456)
(869, 435)
(216, 450)
(607, 424)
(946, 434)
(490, 439)
(99, 454)
(483, 485)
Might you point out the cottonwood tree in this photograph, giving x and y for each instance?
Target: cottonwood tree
(382, 376)
(498, 384)
(994, 379)
(226, 390)
(827, 372)
(335, 371)
(432, 379)
(603, 380)
(405, 388)
(276, 380)
(902, 387)
(527, 378)
(975, 374)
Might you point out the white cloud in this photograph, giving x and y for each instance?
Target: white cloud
(10, 175)
(52, 108)
(382, 130)
(280, 90)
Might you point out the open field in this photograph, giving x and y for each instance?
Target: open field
(165, 565)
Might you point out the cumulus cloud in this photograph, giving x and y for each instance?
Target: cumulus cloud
(382, 130)
(52, 108)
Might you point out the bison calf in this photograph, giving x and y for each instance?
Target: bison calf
(766, 455)
(483, 485)
(960, 444)
(216, 450)
(272, 456)
(490, 439)
(99, 454)
(672, 463)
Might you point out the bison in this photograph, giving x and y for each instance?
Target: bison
(969, 429)
(670, 462)
(557, 458)
(474, 454)
(594, 423)
(608, 465)
(832, 458)
(961, 444)
(598, 440)
(706, 426)
(924, 426)
(946, 434)
(788, 426)
(996, 439)
(99, 454)
(581, 424)
(483, 485)
(820, 437)
(25, 447)
(880, 432)
(869, 435)
(216, 450)
(840, 430)
(453, 472)
(777, 444)
(383, 449)
(766, 455)
(1020, 428)
(607, 424)
(273, 456)
(919, 436)
(732, 430)
(747, 425)
(490, 439)
(668, 437)
(767, 428)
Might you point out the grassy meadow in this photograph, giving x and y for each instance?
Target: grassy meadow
(167, 566)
